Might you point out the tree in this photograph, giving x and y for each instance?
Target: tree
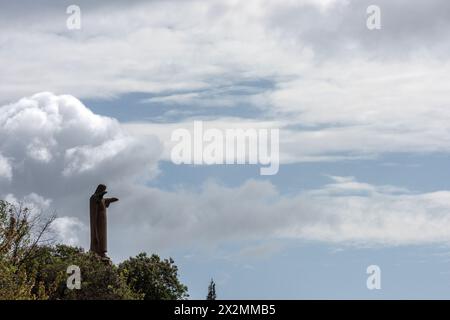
(99, 280)
(33, 267)
(211, 291)
(30, 268)
(15, 284)
(21, 233)
(156, 279)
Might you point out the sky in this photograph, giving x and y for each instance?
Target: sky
(363, 120)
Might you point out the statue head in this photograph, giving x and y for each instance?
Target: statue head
(101, 190)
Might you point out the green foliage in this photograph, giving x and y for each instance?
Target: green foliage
(31, 269)
(19, 236)
(100, 280)
(14, 283)
(156, 279)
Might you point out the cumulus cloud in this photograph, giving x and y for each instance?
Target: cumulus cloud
(58, 150)
(55, 146)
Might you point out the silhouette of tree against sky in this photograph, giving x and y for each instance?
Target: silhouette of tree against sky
(211, 291)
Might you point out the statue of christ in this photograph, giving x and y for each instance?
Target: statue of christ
(98, 208)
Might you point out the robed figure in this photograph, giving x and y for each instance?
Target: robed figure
(98, 208)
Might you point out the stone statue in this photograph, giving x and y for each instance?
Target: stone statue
(98, 205)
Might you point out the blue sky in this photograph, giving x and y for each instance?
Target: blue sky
(364, 143)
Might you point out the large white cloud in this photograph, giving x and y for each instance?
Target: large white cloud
(54, 144)
(55, 148)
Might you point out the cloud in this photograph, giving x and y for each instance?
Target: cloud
(34, 202)
(58, 151)
(376, 215)
(166, 45)
(416, 128)
(68, 230)
(57, 136)
(345, 212)
(339, 90)
(5, 168)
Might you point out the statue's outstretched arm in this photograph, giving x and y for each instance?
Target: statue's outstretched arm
(110, 200)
